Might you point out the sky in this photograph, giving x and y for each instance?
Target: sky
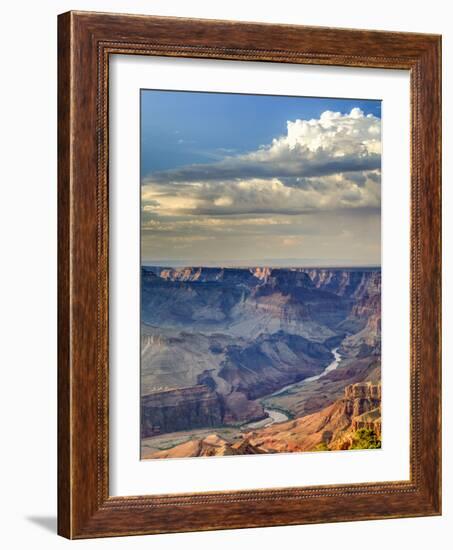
(245, 180)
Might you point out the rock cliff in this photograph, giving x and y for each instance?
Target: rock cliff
(180, 409)
(194, 407)
(332, 427)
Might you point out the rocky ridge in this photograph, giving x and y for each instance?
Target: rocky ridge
(327, 426)
(211, 445)
(332, 428)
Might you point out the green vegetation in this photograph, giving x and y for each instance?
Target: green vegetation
(321, 447)
(365, 439)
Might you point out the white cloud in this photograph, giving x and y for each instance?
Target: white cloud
(324, 163)
(326, 166)
(333, 133)
(331, 144)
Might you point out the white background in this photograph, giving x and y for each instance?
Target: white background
(128, 475)
(28, 272)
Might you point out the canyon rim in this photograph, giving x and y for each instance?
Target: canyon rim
(260, 274)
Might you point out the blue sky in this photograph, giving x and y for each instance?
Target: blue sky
(180, 128)
(232, 179)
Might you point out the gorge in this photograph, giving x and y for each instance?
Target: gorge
(229, 350)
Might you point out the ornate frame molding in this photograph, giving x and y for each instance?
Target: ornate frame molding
(86, 40)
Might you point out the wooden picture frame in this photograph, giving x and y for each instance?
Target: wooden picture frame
(85, 42)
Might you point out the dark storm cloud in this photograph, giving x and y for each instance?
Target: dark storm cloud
(294, 166)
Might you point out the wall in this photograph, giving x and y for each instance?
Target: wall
(28, 272)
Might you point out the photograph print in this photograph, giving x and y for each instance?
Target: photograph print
(260, 274)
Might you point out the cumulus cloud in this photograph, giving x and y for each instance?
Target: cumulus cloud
(318, 147)
(326, 165)
(329, 162)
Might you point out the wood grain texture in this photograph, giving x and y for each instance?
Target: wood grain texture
(64, 389)
(86, 40)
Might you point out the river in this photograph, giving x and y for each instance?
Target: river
(276, 416)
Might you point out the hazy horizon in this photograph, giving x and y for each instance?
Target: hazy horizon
(250, 264)
(232, 180)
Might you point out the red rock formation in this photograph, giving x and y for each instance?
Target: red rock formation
(212, 445)
(359, 408)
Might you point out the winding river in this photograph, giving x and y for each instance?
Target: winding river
(276, 416)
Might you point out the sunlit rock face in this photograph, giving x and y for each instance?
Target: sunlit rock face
(334, 427)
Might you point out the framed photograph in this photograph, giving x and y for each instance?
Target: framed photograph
(249, 275)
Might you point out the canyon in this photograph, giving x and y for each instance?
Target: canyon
(335, 427)
(227, 348)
